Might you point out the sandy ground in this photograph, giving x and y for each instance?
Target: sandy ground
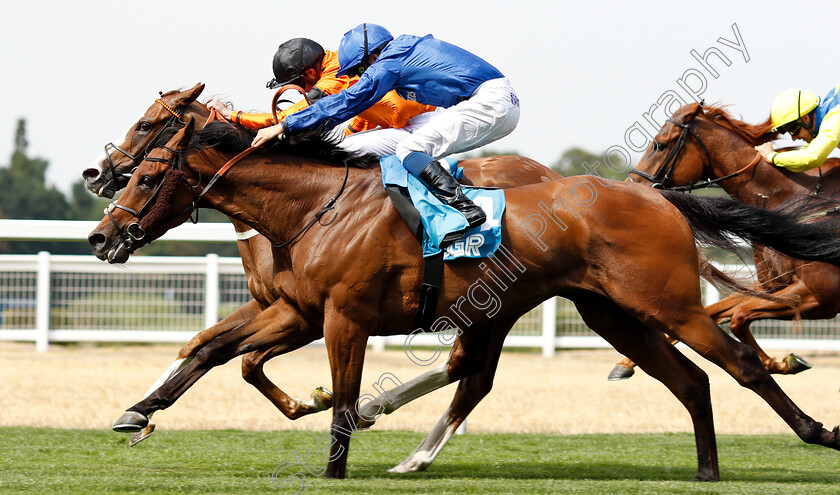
(90, 387)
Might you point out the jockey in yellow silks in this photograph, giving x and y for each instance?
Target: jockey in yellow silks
(804, 116)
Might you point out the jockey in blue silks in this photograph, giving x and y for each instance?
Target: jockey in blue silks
(478, 105)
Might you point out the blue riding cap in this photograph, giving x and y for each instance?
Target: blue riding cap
(358, 43)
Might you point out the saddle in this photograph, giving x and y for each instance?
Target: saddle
(440, 229)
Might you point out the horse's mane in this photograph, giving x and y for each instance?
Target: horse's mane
(224, 136)
(754, 133)
(161, 139)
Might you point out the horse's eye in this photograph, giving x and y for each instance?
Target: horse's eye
(147, 181)
(657, 146)
(144, 126)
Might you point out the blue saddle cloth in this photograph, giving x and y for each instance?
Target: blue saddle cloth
(439, 219)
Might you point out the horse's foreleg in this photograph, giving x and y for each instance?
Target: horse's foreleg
(292, 408)
(187, 352)
(661, 360)
(751, 309)
(346, 341)
(262, 331)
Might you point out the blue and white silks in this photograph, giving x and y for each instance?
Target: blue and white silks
(439, 219)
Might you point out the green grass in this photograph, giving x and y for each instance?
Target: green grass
(239, 462)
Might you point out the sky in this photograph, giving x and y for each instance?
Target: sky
(585, 72)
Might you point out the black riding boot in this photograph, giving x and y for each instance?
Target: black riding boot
(448, 190)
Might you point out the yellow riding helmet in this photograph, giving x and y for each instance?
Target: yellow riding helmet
(791, 105)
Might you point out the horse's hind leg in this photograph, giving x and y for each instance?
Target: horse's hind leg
(697, 330)
(740, 311)
(469, 355)
(471, 390)
(652, 351)
(625, 368)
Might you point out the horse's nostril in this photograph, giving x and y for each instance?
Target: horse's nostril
(91, 174)
(96, 239)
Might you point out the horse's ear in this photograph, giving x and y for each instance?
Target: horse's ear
(186, 97)
(188, 131)
(689, 112)
(194, 92)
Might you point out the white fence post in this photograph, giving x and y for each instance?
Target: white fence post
(377, 343)
(712, 295)
(211, 291)
(42, 303)
(549, 326)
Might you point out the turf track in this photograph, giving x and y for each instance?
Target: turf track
(92, 461)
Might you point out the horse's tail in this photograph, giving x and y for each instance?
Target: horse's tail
(720, 221)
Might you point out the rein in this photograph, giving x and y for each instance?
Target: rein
(327, 207)
(702, 184)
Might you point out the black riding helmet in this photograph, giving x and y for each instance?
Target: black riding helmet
(292, 59)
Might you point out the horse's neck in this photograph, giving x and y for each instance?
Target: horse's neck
(275, 197)
(197, 111)
(763, 184)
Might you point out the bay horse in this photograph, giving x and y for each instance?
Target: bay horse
(626, 257)
(266, 273)
(703, 146)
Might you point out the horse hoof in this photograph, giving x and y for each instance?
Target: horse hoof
(322, 398)
(419, 461)
(620, 373)
(141, 435)
(797, 364)
(364, 424)
(130, 422)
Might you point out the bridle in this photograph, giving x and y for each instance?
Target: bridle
(177, 117)
(661, 176)
(134, 232)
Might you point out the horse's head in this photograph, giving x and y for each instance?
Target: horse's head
(157, 198)
(699, 147)
(166, 115)
(674, 145)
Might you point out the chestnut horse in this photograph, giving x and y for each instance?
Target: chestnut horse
(265, 273)
(625, 256)
(709, 146)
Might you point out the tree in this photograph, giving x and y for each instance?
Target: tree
(25, 193)
(26, 196)
(578, 161)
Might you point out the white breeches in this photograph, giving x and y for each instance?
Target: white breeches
(491, 113)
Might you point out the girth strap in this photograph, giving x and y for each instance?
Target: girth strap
(429, 291)
(432, 265)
